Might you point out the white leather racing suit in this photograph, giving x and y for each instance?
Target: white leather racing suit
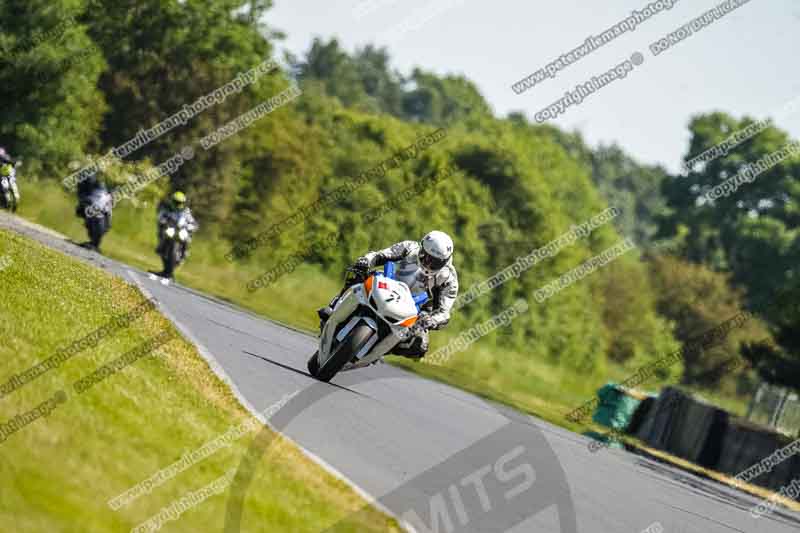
(12, 183)
(442, 288)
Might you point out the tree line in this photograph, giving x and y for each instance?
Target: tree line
(513, 186)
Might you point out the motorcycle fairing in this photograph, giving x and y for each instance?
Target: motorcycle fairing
(380, 298)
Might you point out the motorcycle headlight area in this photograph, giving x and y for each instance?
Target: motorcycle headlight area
(183, 234)
(393, 320)
(170, 232)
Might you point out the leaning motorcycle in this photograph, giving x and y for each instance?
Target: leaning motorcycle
(371, 317)
(8, 189)
(97, 216)
(175, 240)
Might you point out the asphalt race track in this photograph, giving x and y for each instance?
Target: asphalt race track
(439, 458)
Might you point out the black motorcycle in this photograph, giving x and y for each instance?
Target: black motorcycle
(174, 242)
(97, 216)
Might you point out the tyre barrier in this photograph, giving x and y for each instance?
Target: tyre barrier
(745, 444)
(708, 436)
(657, 427)
(641, 415)
(615, 408)
(690, 436)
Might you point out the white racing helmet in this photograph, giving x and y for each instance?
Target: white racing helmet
(436, 249)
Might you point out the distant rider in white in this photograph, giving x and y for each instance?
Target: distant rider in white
(425, 266)
(8, 170)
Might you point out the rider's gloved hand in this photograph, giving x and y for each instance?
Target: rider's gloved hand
(362, 263)
(424, 322)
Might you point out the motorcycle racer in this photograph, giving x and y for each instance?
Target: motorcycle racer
(8, 171)
(425, 266)
(174, 208)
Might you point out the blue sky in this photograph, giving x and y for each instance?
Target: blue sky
(744, 63)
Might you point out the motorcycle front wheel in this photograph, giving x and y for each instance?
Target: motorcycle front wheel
(170, 257)
(97, 229)
(346, 350)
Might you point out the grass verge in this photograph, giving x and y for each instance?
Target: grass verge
(59, 471)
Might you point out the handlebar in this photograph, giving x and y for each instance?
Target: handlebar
(359, 275)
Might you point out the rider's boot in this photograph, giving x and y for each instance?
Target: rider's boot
(324, 313)
(15, 193)
(414, 348)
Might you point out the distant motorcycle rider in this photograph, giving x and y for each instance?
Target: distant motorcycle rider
(95, 206)
(8, 171)
(86, 189)
(425, 266)
(174, 208)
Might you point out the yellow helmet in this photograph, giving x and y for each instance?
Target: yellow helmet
(5, 170)
(178, 199)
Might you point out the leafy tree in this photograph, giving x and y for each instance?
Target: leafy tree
(444, 100)
(697, 300)
(778, 361)
(634, 188)
(167, 54)
(49, 67)
(626, 184)
(364, 81)
(753, 231)
(637, 333)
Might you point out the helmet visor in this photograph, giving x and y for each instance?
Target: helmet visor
(429, 262)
